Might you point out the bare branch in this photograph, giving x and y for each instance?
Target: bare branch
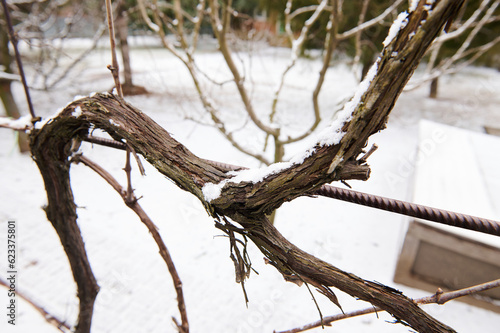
(21, 124)
(297, 45)
(115, 71)
(174, 7)
(464, 26)
(13, 40)
(371, 23)
(192, 68)
(465, 45)
(200, 10)
(449, 65)
(305, 9)
(439, 297)
(100, 31)
(357, 36)
(179, 24)
(51, 319)
(132, 202)
(220, 29)
(145, 17)
(219, 124)
(330, 45)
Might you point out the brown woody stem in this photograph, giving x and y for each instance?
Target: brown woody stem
(247, 202)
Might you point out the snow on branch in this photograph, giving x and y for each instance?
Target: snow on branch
(398, 24)
(21, 124)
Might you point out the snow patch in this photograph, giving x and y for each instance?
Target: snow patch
(413, 5)
(43, 122)
(114, 123)
(399, 23)
(77, 112)
(301, 157)
(77, 97)
(212, 191)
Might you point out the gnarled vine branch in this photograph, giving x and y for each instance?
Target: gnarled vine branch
(240, 198)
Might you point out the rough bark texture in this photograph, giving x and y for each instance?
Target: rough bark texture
(246, 203)
(50, 151)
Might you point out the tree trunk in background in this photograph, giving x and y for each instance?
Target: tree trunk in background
(122, 34)
(273, 22)
(6, 95)
(434, 88)
(121, 23)
(13, 111)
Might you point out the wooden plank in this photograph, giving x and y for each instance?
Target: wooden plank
(455, 169)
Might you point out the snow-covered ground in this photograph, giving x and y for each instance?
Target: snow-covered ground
(137, 294)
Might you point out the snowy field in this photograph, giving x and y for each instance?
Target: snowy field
(137, 294)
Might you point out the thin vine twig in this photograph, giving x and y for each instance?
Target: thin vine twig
(50, 318)
(439, 297)
(165, 254)
(114, 68)
(13, 40)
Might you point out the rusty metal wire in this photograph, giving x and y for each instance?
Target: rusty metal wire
(105, 142)
(396, 206)
(402, 207)
(410, 209)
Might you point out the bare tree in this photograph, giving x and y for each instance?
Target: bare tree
(220, 15)
(465, 29)
(46, 26)
(240, 202)
(121, 23)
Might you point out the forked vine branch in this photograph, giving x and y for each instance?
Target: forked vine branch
(239, 198)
